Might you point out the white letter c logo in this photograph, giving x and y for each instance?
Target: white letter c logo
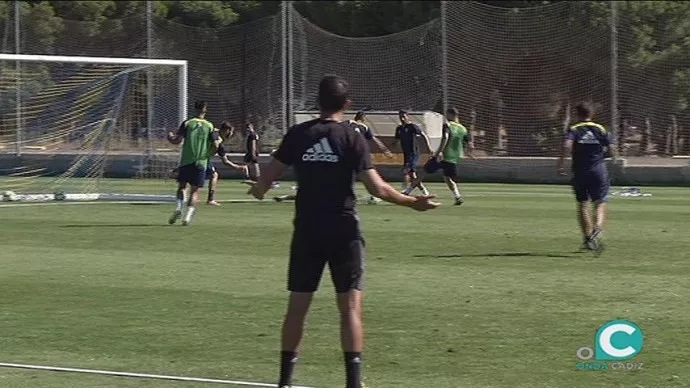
(605, 340)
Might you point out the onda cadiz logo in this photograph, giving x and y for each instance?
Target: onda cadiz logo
(320, 152)
(614, 341)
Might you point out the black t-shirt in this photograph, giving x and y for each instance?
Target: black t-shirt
(589, 145)
(251, 137)
(361, 128)
(326, 156)
(407, 134)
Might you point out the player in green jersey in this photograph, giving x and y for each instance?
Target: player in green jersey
(455, 139)
(200, 142)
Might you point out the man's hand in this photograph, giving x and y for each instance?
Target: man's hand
(388, 154)
(562, 171)
(242, 168)
(424, 203)
(253, 190)
(172, 137)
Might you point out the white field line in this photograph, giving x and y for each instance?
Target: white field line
(68, 203)
(139, 375)
(468, 194)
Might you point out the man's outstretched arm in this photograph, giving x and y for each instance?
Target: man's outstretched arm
(377, 187)
(272, 172)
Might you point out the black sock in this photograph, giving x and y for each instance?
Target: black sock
(211, 195)
(353, 362)
(288, 360)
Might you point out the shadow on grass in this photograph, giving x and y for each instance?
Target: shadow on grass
(115, 226)
(505, 254)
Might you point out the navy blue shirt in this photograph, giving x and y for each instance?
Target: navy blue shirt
(589, 145)
(362, 129)
(407, 134)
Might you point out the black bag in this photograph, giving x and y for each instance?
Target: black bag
(432, 165)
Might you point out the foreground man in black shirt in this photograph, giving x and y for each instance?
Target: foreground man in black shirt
(327, 156)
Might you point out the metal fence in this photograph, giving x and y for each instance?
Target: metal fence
(514, 74)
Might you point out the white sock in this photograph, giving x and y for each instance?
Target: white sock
(190, 213)
(179, 205)
(456, 192)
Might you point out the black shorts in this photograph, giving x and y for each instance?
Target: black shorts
(591, 186)
(410, 162)
(310, 253)
(192, 174)
(210, 170)
(249, 158)
(450, 170)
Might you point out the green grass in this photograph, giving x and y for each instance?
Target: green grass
(491, 294)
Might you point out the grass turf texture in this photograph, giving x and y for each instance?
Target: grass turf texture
(494, 293)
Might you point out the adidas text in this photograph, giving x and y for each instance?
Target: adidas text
(320, 158)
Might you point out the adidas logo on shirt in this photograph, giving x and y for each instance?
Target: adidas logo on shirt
(588, 138)
(320, 152)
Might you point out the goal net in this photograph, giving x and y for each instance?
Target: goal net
(71, 126)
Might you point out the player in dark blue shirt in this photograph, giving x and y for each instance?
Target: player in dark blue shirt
(225, 132)
(407, 133)
(326, 156)
(588, 143)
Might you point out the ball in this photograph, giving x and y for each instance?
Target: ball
(9, 196)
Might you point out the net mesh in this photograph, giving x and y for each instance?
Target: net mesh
(74, 121)
(515, 74)
(654, 79)
(237, 70)
(388, 73)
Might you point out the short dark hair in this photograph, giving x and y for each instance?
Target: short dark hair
(360, 116)
(452, 112)
(584, 110)
(225, 125)
(200, 105)
(402, 112)
(334, 92)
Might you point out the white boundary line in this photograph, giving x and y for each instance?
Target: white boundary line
(97, 202)
(138, 375)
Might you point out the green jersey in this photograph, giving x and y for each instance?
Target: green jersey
(458, 136)
(199, 139)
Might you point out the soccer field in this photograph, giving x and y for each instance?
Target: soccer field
(494, 293)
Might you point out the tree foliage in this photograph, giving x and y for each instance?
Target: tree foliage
(654, 38)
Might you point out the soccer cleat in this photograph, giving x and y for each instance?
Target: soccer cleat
(278, 199)
(214, 203)
(459, 201)
(176, 216)
(593, 243)
(185, 222)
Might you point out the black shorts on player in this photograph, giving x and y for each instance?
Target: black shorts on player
(410, 162)
(309, 254)
(591, 185)
(450, 170)
(250, 158)
(191, 174)
(210, 170)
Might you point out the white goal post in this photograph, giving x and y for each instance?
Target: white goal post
(182, 77)
(66, 120)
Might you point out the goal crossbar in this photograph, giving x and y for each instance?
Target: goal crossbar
(182, 64)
